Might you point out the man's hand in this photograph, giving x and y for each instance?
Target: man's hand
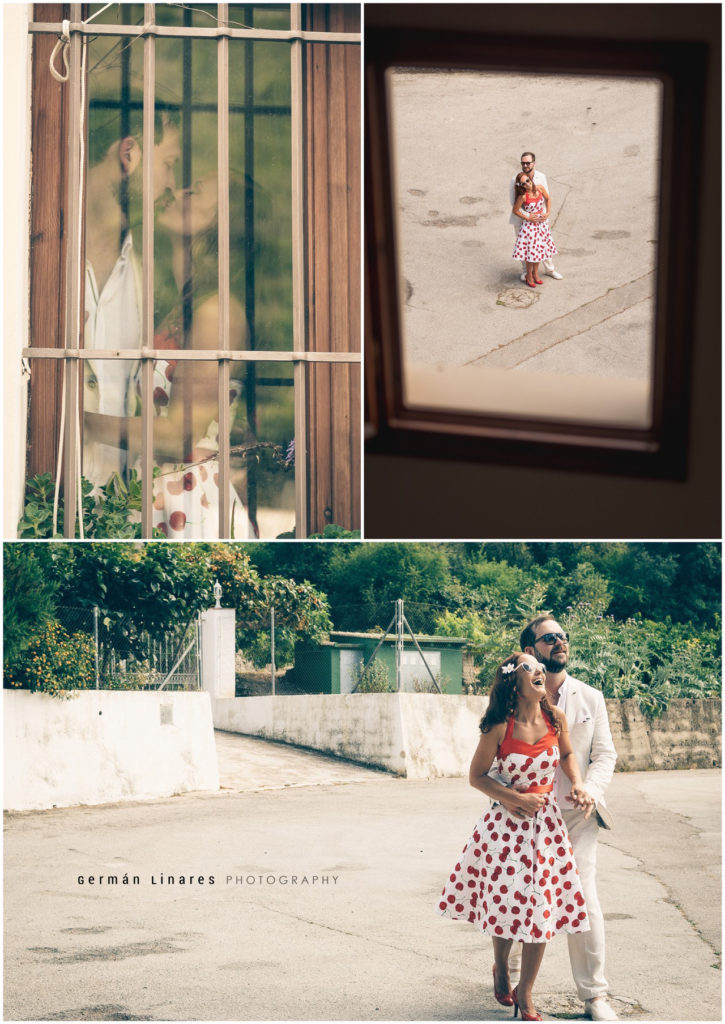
(522, 805)
(580, 798)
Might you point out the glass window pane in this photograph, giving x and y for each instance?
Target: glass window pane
(271, 16)
(186, 444)
(113, 289)
(261, 195)
(263, 458)
(117, 14)
(186, 266)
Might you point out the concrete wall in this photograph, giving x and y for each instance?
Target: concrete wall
(363, 727)
(417, 735)
(100, 747)
(422, 735)
(688, 735)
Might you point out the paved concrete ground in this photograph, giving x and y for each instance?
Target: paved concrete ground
(247, 764)
(332, 914)
(459, 137)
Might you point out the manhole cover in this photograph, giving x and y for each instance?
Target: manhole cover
(517, 298)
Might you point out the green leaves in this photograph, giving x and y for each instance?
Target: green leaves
(114, 512)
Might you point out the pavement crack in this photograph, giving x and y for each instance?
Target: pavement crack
(563, 202)
(350, 934)
(669, 892)
(513, 353)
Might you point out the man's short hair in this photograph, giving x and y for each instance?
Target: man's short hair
(528, 153)
(528, 634)
(111, 119)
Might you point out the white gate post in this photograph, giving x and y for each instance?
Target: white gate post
(217, 652)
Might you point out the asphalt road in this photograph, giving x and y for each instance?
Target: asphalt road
(458, 139)
(325, 879)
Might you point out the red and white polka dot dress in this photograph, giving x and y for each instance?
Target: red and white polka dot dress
(517, 878)
(534, 242)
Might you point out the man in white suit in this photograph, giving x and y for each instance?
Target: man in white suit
(528, 164)
(591, 739)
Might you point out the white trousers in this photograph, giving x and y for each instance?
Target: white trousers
(549, 264)
(586, 949)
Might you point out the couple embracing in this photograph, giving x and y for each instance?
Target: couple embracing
(530, 209)
(528, 872)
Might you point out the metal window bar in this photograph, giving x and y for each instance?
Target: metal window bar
(224, 271)
(298, 264)
(250, 389)
(72, 309)
(98, 28)
(147, 367)
(73, 354)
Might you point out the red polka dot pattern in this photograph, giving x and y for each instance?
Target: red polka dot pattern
(186, 497)
(508, 881)
(534, 242)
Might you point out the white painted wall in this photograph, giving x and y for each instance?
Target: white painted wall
(104, 746)
(416, 735)
(427, 736)
(218, 652)
(16, 235)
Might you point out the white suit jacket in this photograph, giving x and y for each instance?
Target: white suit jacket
(539, 179)
(591, 741)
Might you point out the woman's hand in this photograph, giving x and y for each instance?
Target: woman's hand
(580, 798)
(522, 805)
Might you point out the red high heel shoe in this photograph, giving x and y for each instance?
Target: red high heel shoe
(524, 1014)
(505, 999)
(538, 280)
(530, 283)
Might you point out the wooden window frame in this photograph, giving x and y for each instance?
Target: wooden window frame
(333, 496)
(395, 427)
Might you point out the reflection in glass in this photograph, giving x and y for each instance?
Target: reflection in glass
(186, 266)
(262, 450)
(475, 336)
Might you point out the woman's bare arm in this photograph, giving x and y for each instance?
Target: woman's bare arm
(517, 207)
(519, 804)
(194, 393)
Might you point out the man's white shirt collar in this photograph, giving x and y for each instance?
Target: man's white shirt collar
(563, 693)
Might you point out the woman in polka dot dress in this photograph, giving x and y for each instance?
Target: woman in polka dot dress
(533, 242)
(516, 879)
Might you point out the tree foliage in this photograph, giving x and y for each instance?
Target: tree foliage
(645, 618)
(29, 598)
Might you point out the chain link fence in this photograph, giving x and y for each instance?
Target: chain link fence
(124, 659)
(375, 617)
(417, 671)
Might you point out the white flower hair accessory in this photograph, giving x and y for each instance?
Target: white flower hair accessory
(507, 669)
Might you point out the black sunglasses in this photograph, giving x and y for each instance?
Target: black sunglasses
(551, 638)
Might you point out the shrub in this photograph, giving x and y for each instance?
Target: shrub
(55, 662)
(651, 662)
(373, 679)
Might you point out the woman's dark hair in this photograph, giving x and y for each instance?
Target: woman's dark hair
(247, 201)
(520, 187)
(504, 697)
